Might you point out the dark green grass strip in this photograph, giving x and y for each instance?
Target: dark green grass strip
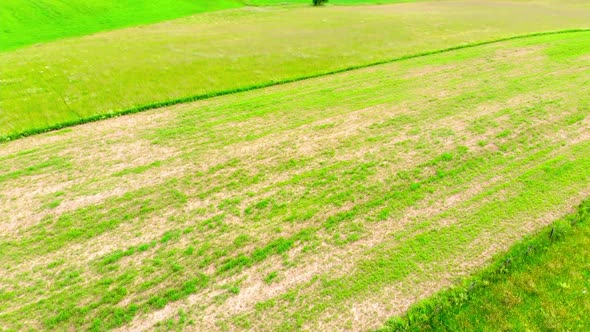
(541, 283)
(209, 95)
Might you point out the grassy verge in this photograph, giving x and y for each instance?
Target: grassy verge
(541, 283)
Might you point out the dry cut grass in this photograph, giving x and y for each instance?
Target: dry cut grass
(328, 204)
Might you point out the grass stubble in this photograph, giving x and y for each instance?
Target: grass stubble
(316, 204)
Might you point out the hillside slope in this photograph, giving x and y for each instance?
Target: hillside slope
(25, 22)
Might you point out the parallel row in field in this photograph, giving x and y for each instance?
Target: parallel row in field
(325, 204)
(109, 72)
(540, 284)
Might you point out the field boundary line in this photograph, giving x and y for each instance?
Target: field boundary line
(193, 98)
(502, 265)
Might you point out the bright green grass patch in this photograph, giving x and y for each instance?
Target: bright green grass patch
(51, 163)
(25, 22)
(541, 283)
(203, 55)
(571, 50)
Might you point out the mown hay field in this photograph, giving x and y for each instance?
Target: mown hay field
(330, 203)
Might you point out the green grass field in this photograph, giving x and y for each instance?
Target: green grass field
(327, 204)
(541, 284)
(100, 75)
(25, 22)
(281, 167)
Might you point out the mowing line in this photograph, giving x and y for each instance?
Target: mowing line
(193, 98)
(444, 306)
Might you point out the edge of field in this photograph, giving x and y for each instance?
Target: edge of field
(428, 314)
(116, 26)
(237, 4)
(188, 99)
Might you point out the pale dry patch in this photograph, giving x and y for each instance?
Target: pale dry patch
(254, 290)
(307, 140)
(114, 156)
(369, 314)
(511, 54)
(580, 135)
(106, 243)
(95, 131)
(29, 194)
(335, 260)
(339, 262)
(16, 207)
(429, 70)
(106, 141)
